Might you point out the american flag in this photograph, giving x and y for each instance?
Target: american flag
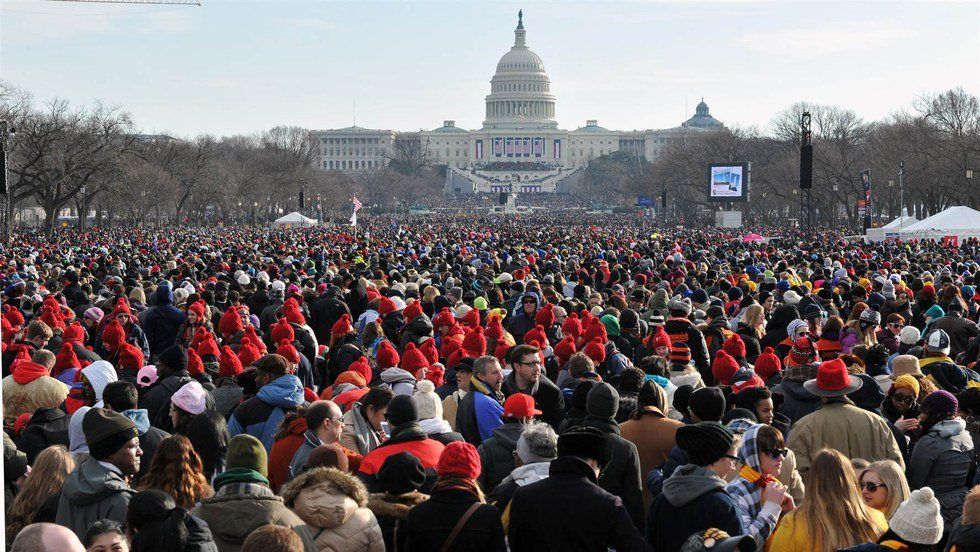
(357, 204)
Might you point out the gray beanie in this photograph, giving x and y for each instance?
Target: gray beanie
(917, 520)
(603, 401)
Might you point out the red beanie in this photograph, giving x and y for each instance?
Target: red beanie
(386, 306)
(209, 347)
(230, 323)
(459, 458)
(362, 367)
(724, 367)
(130, 357)
(309, 395)
(195, 366)
(475, 344)
(495, 329)
(198, 308)
(537, 334)
(342, 326)
(16, 318)
(565, 349)
(113, 335)
(596, 329)
(435, 374)
(444, 318)
(248, 353)
(428, 349)
(287, 351)
(412, 311)
(230, 365)
(472, 318)
(66, 359)
(735, 346)
(546, 315)
(283, 330)
(661, 339)
(200, 334)
(74, 332)
(449, 346)
(767, 364)
(413, 360)
(572, 326)
(387, 355)
(250, 335)
(293, 315)
(596, 350)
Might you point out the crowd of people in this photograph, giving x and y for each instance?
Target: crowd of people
(561, 381)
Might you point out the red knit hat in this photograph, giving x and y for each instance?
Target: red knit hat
(565, 349)
(412, 310)
(283, 330)
(444, 318)
(250, 335)
(661, 339)
(428, 349)
(230, 365)
(500, 353)
(230, 323)
(200, 334)
(199, 308)
(248, 353)
(475, 344)
(309, 395)
(680, 353)
(413, 360)
(450, 345)
(436, 374)
(362, 367)
(471, 318)
(16, 318)
(74, 332)
(386, 306)
(595, 329)
(130, 357)
(209, 347)
(734, 346)
(387, 355)
(596, 350)
(537, 334)
(459, 458)
(293, 315)
(572, 326)
(113, 335)
(546, 315)
(342, 326)
(495, 328)
(724, 367)
(754, 381)
(66, 359)
(195, 366)
(767, 364)
(286, 350)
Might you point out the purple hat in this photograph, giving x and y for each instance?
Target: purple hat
(94, 314)
(190, 398)
(942, 404)
(147, 376)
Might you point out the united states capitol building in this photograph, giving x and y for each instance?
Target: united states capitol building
(519, 148)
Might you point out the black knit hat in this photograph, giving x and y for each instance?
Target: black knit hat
(106, 432)
(603, 401)
(401, 473)
(705, 442)
(707, 403)
(586, 442)
(402, 409)
(174, 357)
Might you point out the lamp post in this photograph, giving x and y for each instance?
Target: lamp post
(7, 133)
(891, 184)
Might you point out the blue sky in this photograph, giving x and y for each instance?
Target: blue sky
(230, 67)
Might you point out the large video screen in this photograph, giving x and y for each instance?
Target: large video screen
(728, 182)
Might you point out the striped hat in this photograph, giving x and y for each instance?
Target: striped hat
(680, 353)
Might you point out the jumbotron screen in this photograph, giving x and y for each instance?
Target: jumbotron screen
(728, 182)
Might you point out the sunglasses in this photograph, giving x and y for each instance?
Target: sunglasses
(779, 453)
(530, 302)
(735, 459)
(897, 326)
(871, 487)
(904, 399)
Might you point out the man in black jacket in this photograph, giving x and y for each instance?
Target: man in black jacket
(539, 514)
(121, 396)
(172, 375)
(682, 330)
(526, 377)
(162, 320)
(326, 312)
(47, 426)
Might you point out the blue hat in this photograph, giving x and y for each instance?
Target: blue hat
(782, 285)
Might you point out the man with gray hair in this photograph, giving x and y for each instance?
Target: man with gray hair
(480, 410)
(536, 448)
(46, 537)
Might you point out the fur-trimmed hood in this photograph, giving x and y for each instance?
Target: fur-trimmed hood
(395, 506)
(341, 482)
(334, 502)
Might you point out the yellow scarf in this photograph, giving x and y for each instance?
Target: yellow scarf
(755, 477)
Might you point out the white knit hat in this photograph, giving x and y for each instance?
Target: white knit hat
(909, 335)
(917, 520)
(791, 298)
(427, 401)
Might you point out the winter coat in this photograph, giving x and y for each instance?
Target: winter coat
(522, 476)
(399, 381)
(161, 321)
(416, 331)
(959, 329)
(156, 401)
(450, 405)
(288, 441)
(391, 511)
(333, 505)
(838, 424)
(758, 519)
(260, 415)
(428, 525)
(715, 335)
(478, 413)
(405, 438)
(48, 426)
(237, 509)
(90, 493)
(963, 538)
(797, 401)
(150, 438)
(693, 499)
(621, 476)
(752, 347)
(542, 517)
(946, 374)
(547, 397)
(653, 434)
(227, 394)
(682, 330)
(941, 460)
(268, 317)
(688, 376)
(358, 435)
(325, 313)
(24, 392)
(497, 454)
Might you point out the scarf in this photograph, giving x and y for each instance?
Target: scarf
(755, 477)
(482, 387)
(455, 483)
(239, 475)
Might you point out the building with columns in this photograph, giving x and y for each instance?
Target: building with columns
(519, 148)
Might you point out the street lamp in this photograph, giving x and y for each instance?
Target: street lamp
(7, 133)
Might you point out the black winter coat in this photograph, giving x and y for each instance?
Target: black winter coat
(569, 512)
(47, 426)
(161, 321)
(683, 330)
(621, 475)
(325, 313)
(547, 398)
(428, 525)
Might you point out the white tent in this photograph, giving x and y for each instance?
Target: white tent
(294, 219)
(891, 229)
(960, 221)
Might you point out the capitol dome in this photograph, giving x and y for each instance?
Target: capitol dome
(520, 91)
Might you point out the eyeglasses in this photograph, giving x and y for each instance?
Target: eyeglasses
(897, 326)
(532, 364)
(905, 399)
(871, 487)
(735, 459)
(779, 453)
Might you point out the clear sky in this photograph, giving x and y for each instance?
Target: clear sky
(237, 66)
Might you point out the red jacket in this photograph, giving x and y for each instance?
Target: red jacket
(283, 451)
(426, 450)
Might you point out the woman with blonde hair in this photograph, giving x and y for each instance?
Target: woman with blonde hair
(862, 330)
(883, 486)
(37, 500)
(752, 328)
(833, 514)
(176, 470)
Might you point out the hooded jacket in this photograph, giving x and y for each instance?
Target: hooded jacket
(693, 499)
(797, 401)
(333, 505)
(29, 388)
(682, 330)
(941, 460)
(90, 493)
(416, 331)
(290, 437)
(260, 415)
(522, 476)
(47, 426)
(759, 519)
(400, 381)
(497, 454)
(162, 320)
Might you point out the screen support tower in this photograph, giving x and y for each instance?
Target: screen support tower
(806, 172)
